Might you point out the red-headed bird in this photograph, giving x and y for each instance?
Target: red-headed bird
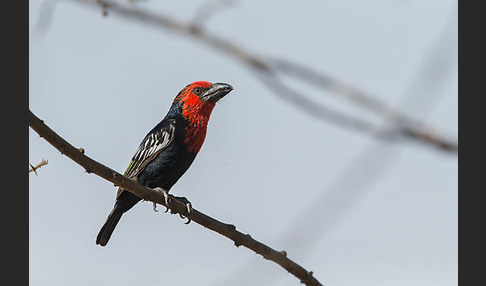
(169, 148)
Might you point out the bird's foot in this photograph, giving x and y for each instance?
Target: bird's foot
(188, 208)
(167, 198)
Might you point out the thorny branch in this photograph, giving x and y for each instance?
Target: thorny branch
(268, 69)
(34, 168)
(228, 230)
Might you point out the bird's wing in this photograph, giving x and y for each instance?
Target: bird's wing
(154, 143)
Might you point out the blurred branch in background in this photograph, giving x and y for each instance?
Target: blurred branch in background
(366, 169)
(206, 10)
(355, 180)
(45, 17)
(268, 70)
(227, 230)
(400, 126)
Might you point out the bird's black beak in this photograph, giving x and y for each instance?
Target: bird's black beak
(216, 91)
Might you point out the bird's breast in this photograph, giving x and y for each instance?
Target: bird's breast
(194, 136)
(196, 117)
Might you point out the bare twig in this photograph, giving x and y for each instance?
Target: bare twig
(34, 168)
(228, 230)
(404, 127)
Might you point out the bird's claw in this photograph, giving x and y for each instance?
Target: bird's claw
(189, 213)
(188, 209)
(167, 198)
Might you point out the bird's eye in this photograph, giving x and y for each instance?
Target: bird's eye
(197, 90)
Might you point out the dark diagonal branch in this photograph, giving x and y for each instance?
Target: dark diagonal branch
(228, 230)
(404, 127)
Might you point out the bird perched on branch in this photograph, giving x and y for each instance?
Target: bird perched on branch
(169, 148)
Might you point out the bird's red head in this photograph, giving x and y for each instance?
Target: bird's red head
(197, 101)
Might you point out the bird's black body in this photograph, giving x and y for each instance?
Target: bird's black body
(168, 150)
(163, 171)
(166, 169)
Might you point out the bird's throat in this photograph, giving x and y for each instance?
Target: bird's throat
(197, 117)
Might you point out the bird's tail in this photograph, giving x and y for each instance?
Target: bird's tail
(109, 226)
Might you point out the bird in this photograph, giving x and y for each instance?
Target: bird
(169, 149)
